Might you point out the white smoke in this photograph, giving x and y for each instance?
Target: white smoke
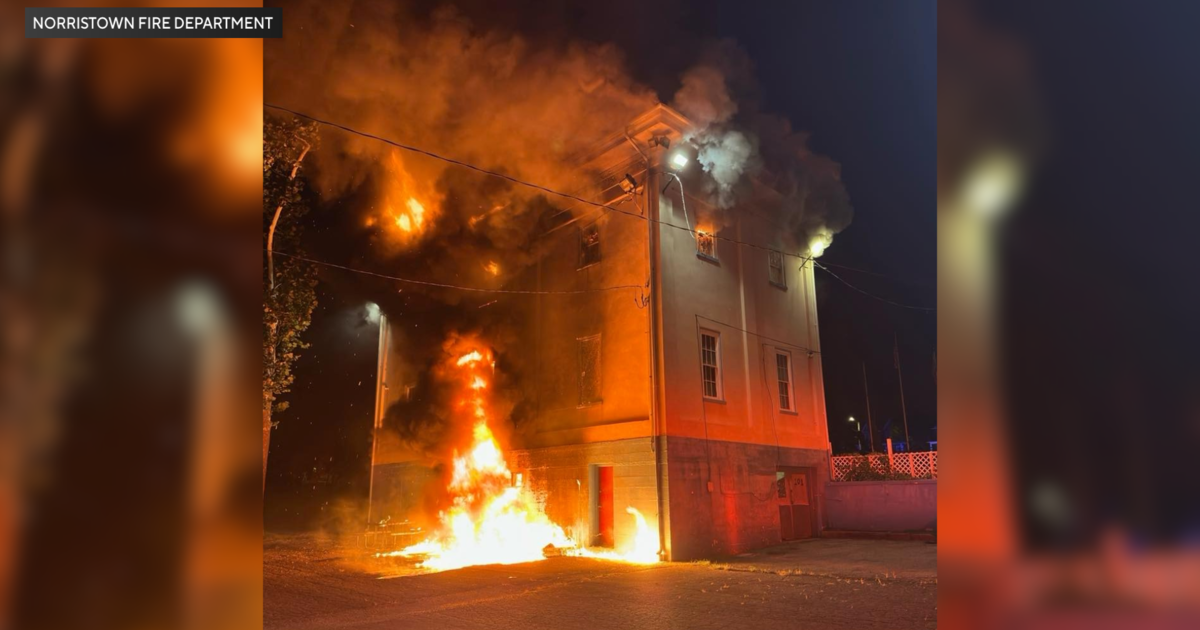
(723, 153)
(735, 141)
(724, 156)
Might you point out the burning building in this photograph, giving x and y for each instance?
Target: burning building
(672, 363)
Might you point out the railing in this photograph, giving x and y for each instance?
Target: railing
(921, 465)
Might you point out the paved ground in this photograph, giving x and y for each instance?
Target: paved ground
(815, 584)
(844, 558)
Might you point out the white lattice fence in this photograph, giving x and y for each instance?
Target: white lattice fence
(922, 465)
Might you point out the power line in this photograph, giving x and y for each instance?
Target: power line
(449, 160)
(750, 332)
(455, 286)
(871, 295)
(563, 195)
(876, 274)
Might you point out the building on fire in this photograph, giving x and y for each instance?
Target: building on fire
(700, 400)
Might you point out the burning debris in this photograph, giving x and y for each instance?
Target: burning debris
(492, 519)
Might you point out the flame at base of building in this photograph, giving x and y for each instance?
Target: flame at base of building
(643, 551)
(491, 520)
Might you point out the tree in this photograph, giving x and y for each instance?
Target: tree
(289, 283)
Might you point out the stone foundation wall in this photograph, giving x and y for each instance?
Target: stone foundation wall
(740, 510)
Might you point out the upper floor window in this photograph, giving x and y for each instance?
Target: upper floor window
(783, 375)
(775, 263)
(589, 246)
(706, 245)
(710, 363)
(589, 370)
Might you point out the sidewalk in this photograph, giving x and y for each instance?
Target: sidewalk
(843, 558)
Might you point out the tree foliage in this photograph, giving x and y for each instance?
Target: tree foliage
(289, 300)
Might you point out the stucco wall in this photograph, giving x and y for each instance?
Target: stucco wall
(733, 297)
(881, 506)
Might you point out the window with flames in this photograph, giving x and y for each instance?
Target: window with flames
(589, 246)
(706, 245)
(589, 370)
(775, 261)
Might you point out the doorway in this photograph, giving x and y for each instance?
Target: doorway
(794, 498)
(604, 507)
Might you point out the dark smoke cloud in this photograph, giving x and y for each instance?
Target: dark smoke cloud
(506, 103)
(735, 142)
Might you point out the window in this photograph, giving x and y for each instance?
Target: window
(589, 246)
(775, 260)
(710, 363)
(783, 372)
(589, 370)
(706, 245)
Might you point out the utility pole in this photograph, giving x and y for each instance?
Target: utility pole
(381, 395)
(900, 376)
(870, 427)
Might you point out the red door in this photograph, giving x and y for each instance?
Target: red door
(795, 512)
(606, 506)
(801, 510)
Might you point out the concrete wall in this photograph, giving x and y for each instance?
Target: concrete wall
(881, 506)
(741, 511)
(561, 479)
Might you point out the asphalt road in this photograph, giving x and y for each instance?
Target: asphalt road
(313, 585)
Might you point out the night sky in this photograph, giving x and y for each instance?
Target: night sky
(860, 76)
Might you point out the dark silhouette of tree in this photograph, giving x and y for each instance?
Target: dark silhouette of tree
(289, 285)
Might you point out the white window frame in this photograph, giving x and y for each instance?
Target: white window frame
(716, 366)
(782, 284)
(790, 384)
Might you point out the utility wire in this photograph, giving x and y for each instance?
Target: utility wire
(872, 295)
(877, 274)
(693, 232)
(455, 286)
(750, 332)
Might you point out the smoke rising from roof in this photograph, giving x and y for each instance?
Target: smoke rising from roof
(735, 143)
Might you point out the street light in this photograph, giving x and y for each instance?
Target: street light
(857, 424)
(679, 160)
(993, 184)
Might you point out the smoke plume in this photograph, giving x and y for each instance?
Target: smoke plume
(504, 103)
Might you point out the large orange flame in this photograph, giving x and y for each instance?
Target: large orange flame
(491, 519)
(408, 207)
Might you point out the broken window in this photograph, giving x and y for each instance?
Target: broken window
(710, 363)
(775, 260)
(783, 371)
(589, 370)
(706, 245)
(589, 246)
